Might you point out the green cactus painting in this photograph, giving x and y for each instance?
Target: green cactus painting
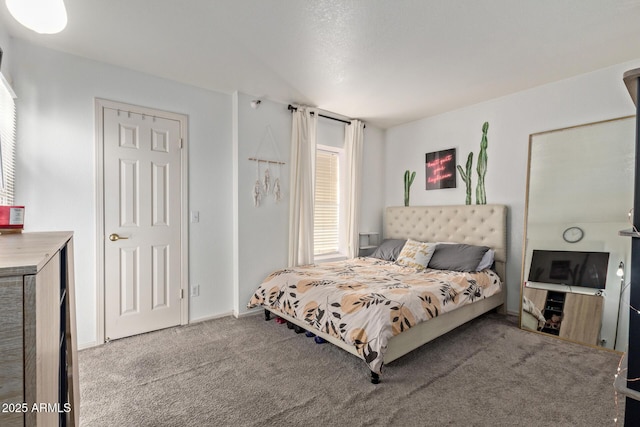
(408, 180)
(481, 195)
(466, 176)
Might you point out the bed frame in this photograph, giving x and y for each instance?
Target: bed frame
(472, 224)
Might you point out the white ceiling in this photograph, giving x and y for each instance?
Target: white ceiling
(384, 61)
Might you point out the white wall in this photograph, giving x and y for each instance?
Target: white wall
(595, 96)
(373, 180)
(6, 43)
(56, 165)
(261, 232)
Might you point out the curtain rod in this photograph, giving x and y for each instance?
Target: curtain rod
(292, 109)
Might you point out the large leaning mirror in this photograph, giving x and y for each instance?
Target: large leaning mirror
(579, 192)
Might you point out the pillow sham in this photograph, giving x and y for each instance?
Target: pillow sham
(389, 249)
(416, 254)
(457, 257)
(487, 260)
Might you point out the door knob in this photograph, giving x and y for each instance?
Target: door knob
(113, 237)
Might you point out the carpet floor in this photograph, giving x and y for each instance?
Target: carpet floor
(248, 372)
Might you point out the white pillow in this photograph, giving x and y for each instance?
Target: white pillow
(487, 260)
(416, 254)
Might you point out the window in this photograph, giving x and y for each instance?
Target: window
(7, 142)
(331, 199)
(326, 226)
(327, 203)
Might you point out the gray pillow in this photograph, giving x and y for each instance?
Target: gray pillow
(389, 249)
(457, 257)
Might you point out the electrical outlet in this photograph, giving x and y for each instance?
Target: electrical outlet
(195, 290)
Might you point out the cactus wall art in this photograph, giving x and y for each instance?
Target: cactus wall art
(466, 176)
(408, 180)
(481, 194)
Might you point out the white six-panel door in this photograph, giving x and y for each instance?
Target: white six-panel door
(142, 180)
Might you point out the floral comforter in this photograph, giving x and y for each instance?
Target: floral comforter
(366, 301)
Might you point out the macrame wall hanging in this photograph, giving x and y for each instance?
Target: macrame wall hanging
(267, 183)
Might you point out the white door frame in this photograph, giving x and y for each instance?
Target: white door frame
(100, 231)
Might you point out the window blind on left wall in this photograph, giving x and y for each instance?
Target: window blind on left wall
(7, 142)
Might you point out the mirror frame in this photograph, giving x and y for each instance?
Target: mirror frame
(526, 223)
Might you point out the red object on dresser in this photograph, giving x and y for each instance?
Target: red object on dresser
(11, 218)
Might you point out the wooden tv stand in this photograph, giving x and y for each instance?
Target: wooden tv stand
(580, 315)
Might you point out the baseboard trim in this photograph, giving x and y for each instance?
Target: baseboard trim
(215, 316)
(253, 312)
(86, 345)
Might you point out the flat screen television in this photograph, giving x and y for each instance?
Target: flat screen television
(585, 269)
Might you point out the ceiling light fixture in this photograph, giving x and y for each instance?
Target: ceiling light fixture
(41, 16)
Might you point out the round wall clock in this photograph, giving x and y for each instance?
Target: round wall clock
(573, 234)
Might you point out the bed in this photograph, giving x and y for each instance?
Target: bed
(531, 317)
(403, 312)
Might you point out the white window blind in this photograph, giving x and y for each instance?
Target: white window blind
(7, 142)
(327, 203)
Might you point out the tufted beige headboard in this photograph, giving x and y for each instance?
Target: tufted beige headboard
(472, 224)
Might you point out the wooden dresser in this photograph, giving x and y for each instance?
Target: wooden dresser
(38, 349)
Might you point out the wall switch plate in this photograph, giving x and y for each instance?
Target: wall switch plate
(195, 290)
(195, 216)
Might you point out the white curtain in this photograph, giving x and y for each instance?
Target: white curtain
(353, 142)
(303, 159)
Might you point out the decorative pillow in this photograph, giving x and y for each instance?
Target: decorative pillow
(487, 260)
(416, 254)
(457, 257)
(389, 249)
